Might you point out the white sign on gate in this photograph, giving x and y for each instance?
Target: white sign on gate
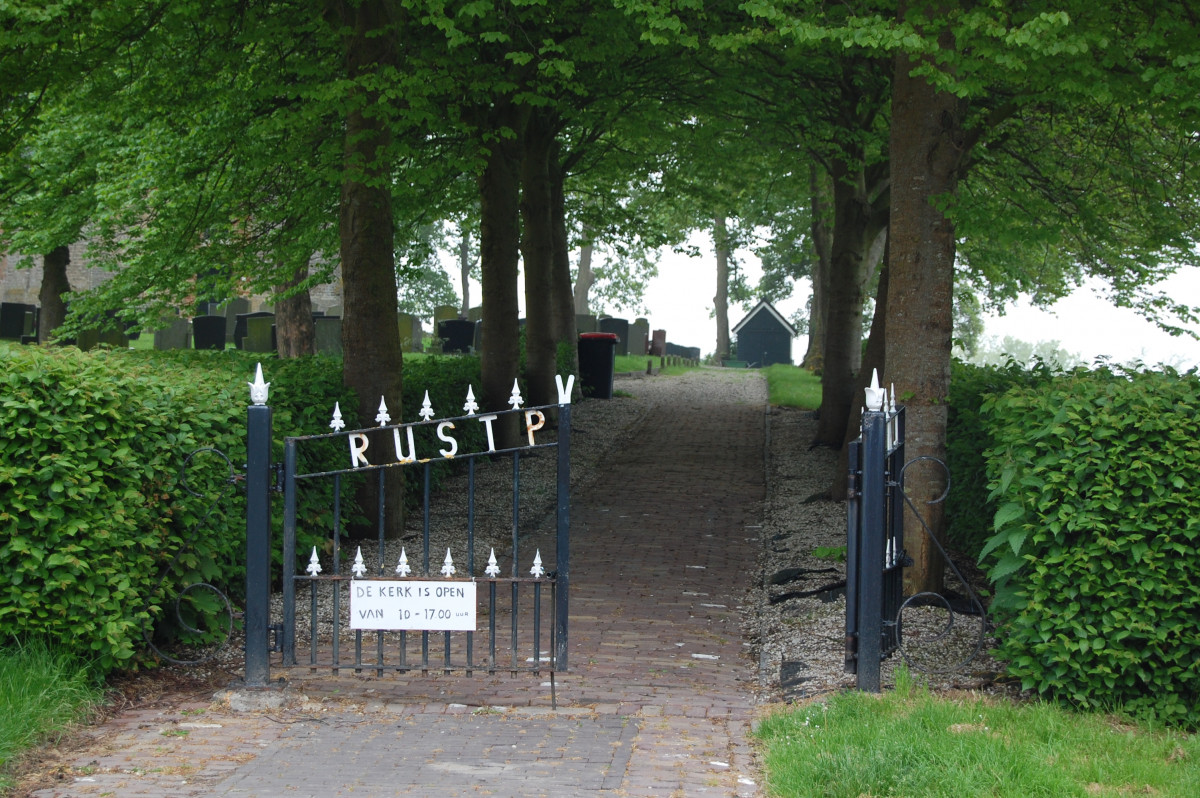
(393, 605)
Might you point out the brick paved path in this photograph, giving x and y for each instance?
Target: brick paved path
(657, 703)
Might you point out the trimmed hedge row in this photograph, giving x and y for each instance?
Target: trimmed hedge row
(99, 531)
(1095, 550)
(969, 509)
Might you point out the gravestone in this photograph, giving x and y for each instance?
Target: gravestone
(443, 313)
(334, 310)
(475, 313)
(232, 310)
(328, 334)
(620, 328)
(410, 332)
(239, 327)
(260, 333)
(208, 332)
(639, 337)
(658, 343)
(585, 323)
(31, 322)
(13, 319)
(174, 336)
(458, 335)
(88, 339)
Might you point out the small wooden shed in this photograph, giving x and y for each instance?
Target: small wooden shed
(764, 337)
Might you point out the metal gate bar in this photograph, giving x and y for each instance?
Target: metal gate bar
(875, 557)
(458, 651)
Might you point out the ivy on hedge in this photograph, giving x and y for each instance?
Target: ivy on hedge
(1096, 543)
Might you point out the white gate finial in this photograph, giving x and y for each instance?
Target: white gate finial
(537, 569)
(515, 399)
(258, 388)
(359, 568)
(314, 565)
(382, 416)
(337, 424)
(448, 568)
(426, 411)
(471, 405)
(402, 566)
(875, 394)
(493, 568)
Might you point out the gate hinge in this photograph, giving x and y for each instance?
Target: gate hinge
(278, 469)
(852, 485)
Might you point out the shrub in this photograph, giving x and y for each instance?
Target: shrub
(100, 533)
(969, 510)
(1096, 549)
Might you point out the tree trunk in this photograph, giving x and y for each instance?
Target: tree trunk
(499, 249)
(853, 232)
(873, 359)
(584, 279)
(371, 361)
(54, 287)
(295, 332)
(537, 250)
(814, 356)
(464, 272)
(721, 299)
(926, 155)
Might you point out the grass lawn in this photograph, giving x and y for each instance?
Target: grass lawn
(915, 744)
(41, 691)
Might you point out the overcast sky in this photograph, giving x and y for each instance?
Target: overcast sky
(680, 301)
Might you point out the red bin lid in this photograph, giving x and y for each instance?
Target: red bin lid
(601, 336)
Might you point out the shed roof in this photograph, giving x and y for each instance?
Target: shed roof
(764, 306)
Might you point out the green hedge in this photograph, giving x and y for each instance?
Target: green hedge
(969, 509)
(98, 531)
(1096, 548)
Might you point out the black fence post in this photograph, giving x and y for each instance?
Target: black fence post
(871, 550)
(563, 547)
(258, 535)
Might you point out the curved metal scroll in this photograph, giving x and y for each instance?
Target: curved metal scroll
(937, 597)
(227, 626)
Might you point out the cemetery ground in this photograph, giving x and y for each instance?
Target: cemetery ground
(961, 733)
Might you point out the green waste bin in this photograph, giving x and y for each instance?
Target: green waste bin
(597, 361)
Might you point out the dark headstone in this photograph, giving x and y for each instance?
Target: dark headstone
(239, 327)
(173, 337)
(458, 335)
(620, 328)
(233, 309)
(328, 334)
(13, 321)
(639, 337)
(260, 333)
(658, 343)
(208, 332)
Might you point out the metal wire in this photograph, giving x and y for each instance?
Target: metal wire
(926, 595)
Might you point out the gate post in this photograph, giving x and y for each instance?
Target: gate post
(871, 550)
(563, 527)
(258, 534)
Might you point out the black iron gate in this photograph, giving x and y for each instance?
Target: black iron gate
(427, 613)
(875, 557)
